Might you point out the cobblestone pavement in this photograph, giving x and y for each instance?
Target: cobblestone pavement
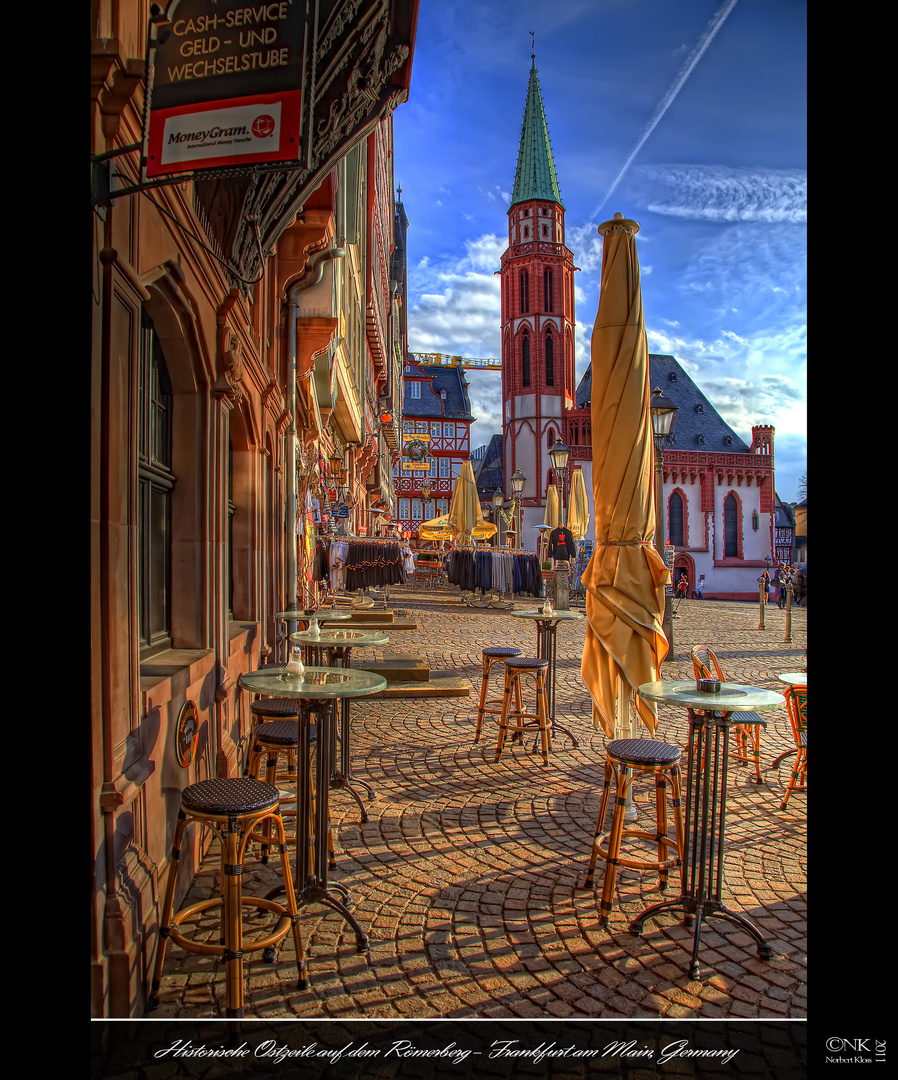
(468, 876)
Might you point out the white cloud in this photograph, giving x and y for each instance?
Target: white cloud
(718, 193)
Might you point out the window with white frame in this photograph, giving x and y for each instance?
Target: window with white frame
(403, 509)
(434, 431)
(414, 389)
(444, 468)
(416, 510)
(448, 431)
(442, 507)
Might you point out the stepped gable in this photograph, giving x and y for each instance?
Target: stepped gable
(699, 426)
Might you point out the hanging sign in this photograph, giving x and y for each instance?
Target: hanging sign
(411, 466)
(225, 85)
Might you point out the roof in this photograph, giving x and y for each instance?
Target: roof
(535, 176)
(457, 404)
(698, 425)
(488, 471)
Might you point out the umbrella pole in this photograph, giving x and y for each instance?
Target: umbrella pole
(627, 728)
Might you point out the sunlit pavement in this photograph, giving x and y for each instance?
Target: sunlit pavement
(468, 875)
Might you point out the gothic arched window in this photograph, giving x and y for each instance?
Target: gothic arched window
(525, 356)
(524, 281)
(730, 527)
(548, 289)
(675, 520)
(550, 360)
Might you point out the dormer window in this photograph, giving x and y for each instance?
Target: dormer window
(699, 408)
(728, 440)
(443, 393)
(672, 377)
(700, 439)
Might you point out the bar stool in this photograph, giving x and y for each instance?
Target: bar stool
(269, 742)
(627, 760)
(493, 655)
(516, 670)
(265, 710)
(232, 808)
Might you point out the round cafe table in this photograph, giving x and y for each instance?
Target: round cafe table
(337, 645)
(317, 692)
(794, 678)
(546, 633)
(710, 719)
(299, 615)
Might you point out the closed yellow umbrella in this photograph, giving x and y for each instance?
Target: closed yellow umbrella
(440, 529)
(578, 510)
(465, 518)
(552, 517)
(625, 577)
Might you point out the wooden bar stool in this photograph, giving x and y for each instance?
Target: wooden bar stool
(493, 655)
(515, 670)
(232, 809)
(272, 742)
(627, 760)
(273, 709)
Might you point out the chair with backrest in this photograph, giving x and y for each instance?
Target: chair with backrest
(747, 731)
(797, 704)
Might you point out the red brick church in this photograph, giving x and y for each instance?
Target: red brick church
(720, 502)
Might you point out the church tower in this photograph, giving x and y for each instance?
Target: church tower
(537, 280)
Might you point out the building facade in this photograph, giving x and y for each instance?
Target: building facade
(436, 441)
(245, 330)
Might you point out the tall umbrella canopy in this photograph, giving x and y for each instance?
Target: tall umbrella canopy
(578, 510)
(626, 576)
(552, 514)
(464, 515)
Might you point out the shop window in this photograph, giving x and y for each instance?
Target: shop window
(156, 482)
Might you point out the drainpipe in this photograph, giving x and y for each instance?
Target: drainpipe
(312, 276)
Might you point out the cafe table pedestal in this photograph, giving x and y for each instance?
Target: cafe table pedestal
(337, 645)
(710, 719)
(317, 691)
(546, 633)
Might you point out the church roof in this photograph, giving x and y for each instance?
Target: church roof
(488, 471)
(698, 425)
(535, 176)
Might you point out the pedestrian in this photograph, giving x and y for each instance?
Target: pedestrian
(699, 590)
(682, 585)
(785, 574)
(767, 587)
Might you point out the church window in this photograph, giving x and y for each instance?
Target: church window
(548, 289)
(525, 353)
(550, 360)
(675, 519)
(524, 281)
(730, 527)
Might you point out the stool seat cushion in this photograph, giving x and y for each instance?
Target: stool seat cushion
(229, 795)
(275, 706)
(527, 663)
(644, 751)
(280, 733)
(501, 651)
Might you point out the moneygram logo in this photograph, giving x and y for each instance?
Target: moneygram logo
(263, 126)
(841, 1051)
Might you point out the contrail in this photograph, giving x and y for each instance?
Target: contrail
(710, 32)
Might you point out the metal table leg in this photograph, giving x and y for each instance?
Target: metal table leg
(342, 778)
(546, 633)
(702, 872)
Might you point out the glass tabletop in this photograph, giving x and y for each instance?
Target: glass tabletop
(794, 678)
(315, 682)
(732, 697)
(535, 613)
(296, 616)
(327, 636)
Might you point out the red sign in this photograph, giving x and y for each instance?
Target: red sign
(225, 85)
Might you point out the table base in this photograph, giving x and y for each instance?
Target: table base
(546, 634)
(702, 873)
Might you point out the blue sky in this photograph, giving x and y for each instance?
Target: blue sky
(690, 115)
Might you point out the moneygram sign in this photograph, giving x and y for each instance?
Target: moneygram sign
(225, 85)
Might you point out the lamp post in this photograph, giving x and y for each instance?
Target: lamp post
(559, 455)
(517, 487)
(498, 501)
(664, 416)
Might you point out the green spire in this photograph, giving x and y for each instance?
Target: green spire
(535, 177)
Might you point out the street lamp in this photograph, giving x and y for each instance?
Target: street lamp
(664, 416)
(498, 502)
(517, 488)
(560, 455)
